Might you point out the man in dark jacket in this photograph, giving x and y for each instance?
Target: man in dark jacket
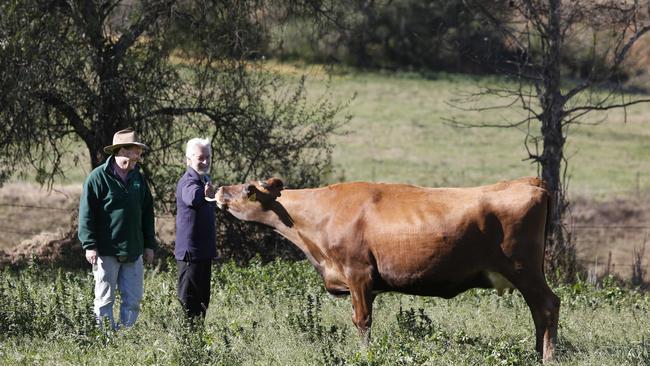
(195, 229)
(116, 228)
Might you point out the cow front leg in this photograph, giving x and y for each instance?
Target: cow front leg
(362, 299)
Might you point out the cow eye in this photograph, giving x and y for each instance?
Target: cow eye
(250, 188)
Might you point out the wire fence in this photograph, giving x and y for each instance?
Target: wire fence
(626, 227)
(598, 265)
(34, 207)
(71, 209)
(597, 262)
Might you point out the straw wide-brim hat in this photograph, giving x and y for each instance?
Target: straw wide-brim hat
(124, 137)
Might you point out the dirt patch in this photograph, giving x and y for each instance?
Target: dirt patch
(619, 211)
(58, 249)
(28, 210)
(611, 235)
(41, 225)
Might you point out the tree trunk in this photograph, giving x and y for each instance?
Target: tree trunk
(557, 247)
(560, 255)
(96, 148)
(113, 113)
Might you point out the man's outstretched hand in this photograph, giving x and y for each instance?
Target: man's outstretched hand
(148, 255)
(91, 256)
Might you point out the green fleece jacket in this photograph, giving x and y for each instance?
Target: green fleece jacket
(114, 218)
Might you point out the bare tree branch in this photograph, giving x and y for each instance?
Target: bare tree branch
(539, 31)
(151, 15)
(65, 109)
(590, 108)
(456, 123)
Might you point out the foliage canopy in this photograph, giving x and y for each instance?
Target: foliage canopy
(77, 71)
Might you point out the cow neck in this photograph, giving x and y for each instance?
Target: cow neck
(304, 231)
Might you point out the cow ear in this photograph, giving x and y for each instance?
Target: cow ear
(273, 185)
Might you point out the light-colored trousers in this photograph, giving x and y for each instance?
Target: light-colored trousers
(128, 278)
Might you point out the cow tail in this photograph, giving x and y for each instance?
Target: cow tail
(550, 206)
(550, 196)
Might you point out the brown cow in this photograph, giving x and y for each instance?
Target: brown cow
(367, 238)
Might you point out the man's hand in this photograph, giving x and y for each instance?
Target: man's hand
(148, 255)
(91, 256)
(209, 190)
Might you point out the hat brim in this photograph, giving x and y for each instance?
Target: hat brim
(111, 148)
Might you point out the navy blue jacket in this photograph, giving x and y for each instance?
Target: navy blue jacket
(195, 220)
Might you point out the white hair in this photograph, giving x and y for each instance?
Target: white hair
(193, 143)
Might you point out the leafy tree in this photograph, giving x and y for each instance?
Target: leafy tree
(73, 72)
(76, 71)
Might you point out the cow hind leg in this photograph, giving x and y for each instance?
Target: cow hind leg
(545, 308)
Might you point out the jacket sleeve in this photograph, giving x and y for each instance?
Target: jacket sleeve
(87, 221)
(148, 226)
(193, 194)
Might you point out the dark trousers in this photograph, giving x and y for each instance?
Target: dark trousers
(194, 286)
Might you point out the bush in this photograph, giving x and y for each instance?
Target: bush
(432, 35)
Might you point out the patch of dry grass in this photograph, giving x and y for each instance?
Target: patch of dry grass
(619, 227)
(28, 210)
(30, 213)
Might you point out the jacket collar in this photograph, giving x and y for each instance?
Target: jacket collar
(194, 174)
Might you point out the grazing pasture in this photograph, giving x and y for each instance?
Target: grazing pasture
(400, 133)
(280, 314)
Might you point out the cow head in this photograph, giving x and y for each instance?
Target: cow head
(249, 201)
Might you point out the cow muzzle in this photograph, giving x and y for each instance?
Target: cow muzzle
(218, 199)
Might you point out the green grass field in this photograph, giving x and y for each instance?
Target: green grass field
(399, 133)
(279, 314)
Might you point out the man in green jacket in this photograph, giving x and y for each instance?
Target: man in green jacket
(116, 228)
